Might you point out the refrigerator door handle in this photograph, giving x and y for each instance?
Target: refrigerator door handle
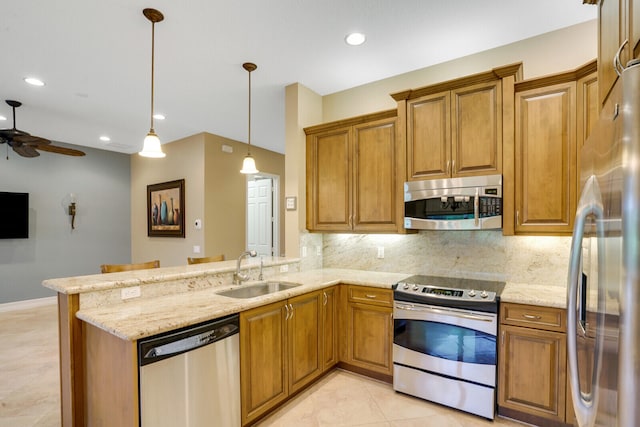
(590, 204)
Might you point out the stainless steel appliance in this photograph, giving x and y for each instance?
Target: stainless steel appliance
(444, 341)
(191, 377)
(603, 309)
(454, 204)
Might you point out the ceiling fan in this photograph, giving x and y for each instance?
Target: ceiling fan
(27, 145)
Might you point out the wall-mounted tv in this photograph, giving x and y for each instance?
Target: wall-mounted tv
(14, 215)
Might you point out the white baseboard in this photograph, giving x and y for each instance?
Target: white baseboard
(26, 304)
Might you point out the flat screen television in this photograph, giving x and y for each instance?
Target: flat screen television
(14, 215)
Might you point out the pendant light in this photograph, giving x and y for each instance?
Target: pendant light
(151, 146)
(249, 164)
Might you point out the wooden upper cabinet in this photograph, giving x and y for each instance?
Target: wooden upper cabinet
(619, 20)
(476, 130)
(545, 159)
(329, 180)
(455, 128)
(429, 136)
(455, 133)
(353, 180)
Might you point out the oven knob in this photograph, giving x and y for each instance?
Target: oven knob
(405, 287)
(484, 294)
(472, 293)
(416, 287)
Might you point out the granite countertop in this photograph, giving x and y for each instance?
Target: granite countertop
(143, 317)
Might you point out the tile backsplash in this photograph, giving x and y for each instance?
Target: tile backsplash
(535, 260)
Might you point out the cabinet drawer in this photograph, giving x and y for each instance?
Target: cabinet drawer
(547, 318)
(368, 295)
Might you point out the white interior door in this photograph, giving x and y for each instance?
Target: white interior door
(260, 216)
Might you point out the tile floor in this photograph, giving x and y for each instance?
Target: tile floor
(29, 388)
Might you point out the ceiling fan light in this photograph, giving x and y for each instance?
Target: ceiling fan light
(249, 165)
(151, 146)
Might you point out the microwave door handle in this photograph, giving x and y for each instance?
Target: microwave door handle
(476, 208)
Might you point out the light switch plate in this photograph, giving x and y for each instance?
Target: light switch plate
(284, 268)
(291, 203)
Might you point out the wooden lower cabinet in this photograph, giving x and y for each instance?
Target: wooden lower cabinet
(369, 329)
(330, 327)
(532, 377)
(279, 352)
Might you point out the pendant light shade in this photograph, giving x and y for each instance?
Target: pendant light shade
(249, 164)
(151, 146)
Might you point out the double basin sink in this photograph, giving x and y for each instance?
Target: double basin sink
(258, 289)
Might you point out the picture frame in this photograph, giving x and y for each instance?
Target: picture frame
(165, 209)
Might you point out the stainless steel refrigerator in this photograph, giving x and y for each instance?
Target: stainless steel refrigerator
(603, 307)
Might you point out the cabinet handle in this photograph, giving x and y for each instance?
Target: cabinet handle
(531, 316)
(291, 308)
(453, 166)
(502, 339)
(286, 317)
(326, 298)
(448, 167)
(517, 217)
(370, 296)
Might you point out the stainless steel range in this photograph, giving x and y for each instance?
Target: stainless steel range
(444, 343)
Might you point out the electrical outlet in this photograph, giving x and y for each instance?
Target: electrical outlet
(319, 250)
(196, 249)
(130, 292)
(380, 252)
(304, 251)
(284, 268)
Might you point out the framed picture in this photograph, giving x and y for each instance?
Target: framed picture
(165, 209)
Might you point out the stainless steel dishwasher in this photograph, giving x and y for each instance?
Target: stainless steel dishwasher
(191, 377)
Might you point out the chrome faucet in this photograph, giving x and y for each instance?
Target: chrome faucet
(238, 277)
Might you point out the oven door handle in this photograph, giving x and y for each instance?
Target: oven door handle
(446, 312)
(476, 208)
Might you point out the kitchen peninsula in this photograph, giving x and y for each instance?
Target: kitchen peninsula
(99, 329)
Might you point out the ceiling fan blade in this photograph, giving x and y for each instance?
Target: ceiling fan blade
(60, 150)
(31, 140)
(26, 151)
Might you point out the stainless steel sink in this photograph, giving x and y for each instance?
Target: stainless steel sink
(258, 289)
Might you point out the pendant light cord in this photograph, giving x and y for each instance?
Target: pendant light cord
(153, 28)
(249, 137)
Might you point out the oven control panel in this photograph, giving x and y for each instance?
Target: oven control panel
(429, 291)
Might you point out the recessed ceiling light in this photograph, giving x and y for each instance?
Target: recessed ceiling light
(33, 81)
(105, 138)
(355, 39)
(159, 116)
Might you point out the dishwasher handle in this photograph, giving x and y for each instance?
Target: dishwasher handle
(171, 344)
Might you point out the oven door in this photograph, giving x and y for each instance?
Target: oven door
(446, 341)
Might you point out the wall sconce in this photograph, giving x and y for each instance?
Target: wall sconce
(72, 210)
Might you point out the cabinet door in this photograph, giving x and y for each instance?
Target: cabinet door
(611, 34)
(263, 361)
(329, 327)
(369, 337)
(429, 137)
(374, 176)
(545, 154)
(329, 180)
(476, 130)
(304, 339)
(532, 372)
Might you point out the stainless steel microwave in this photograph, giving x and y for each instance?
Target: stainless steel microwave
(471, 203)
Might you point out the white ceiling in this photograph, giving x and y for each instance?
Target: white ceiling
(95, 57)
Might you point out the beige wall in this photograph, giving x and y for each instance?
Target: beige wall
(303, 108)
(549, 53)
(215, 192)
